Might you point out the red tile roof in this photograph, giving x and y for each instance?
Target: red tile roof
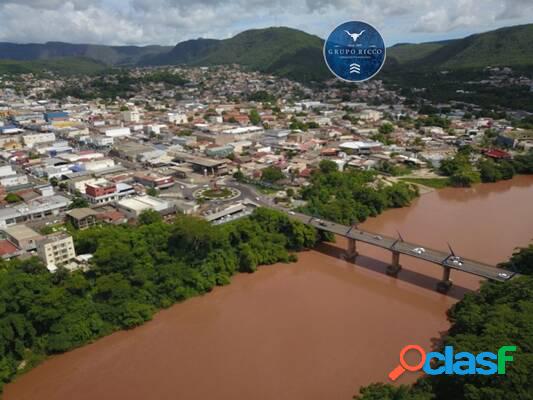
(7, 248)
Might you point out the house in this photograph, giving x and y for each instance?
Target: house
(82, 218)
(23, 237)
(497, 154)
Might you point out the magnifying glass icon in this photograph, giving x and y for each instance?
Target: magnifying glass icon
(403, 366)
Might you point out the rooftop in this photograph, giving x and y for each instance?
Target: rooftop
(21, 232)
(80, 213)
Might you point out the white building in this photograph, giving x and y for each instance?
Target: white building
(32, 139)
(360, 147)
(154, 128)
(99, 165)
(177, 118)
(370, 115)
(131, 116)
(117, 132)
(6, 170)
(14, 180)
(102, 141)
(134, 206)
(35, 209)
(56, 249)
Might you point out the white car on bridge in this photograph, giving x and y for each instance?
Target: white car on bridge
(419, 250)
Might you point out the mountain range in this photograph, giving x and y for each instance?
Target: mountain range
(282, 51)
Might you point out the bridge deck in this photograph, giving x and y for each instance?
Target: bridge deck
(434, 256)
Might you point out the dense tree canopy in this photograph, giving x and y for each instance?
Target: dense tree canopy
(523, 163)
(463, 172)
(135, 271)
(492, 171)
(348, 197)
(460, 170)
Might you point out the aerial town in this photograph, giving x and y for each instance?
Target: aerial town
(202, 147)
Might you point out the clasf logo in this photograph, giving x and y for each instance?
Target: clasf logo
(462, 363)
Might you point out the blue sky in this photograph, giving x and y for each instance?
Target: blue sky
(167, 22)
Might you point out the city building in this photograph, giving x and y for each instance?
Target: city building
(134, 206)
(154, 181)
(35, 209)
(32, 139)
(56, 249)
(103, 191)
(82, 218)
(23, 237)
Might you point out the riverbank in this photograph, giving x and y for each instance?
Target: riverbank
(319, 328)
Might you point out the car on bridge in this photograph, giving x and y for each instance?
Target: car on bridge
(455, 260)
(419, 250)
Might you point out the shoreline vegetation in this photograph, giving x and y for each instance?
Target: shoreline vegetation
(496, 315)
(352, 196)
(462, 171)
(136, 271)
(139, 270)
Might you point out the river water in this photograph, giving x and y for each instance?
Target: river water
(316, 329)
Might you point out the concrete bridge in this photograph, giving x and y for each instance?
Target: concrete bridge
(397, 246)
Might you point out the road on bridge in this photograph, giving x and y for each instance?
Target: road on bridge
(439, 257)
(442, 258)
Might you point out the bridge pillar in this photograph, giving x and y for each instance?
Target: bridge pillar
(445, 285)
(351, 251)
(395, 266)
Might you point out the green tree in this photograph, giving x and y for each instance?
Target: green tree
(489, 171)
(13, 198)
(272, 174)
(521, 261)
(239, 176)
(386, 128)
(328, 166)
(152, 192)
(148, 217)
(254, 117)
(78, 202)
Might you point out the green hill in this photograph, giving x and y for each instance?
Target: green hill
(111, 55)
(511, 46)
(283, 51)
(298, 55)
(408, 52)
(63, 66)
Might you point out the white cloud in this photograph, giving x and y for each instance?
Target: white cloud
(170, 21)
(452, 15)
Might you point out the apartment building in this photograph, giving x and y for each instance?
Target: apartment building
(56, 249)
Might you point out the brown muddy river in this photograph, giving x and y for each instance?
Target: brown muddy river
(316, 329)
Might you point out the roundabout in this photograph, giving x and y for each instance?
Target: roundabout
(220, 193)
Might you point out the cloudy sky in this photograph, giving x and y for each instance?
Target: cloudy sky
(167, 22)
